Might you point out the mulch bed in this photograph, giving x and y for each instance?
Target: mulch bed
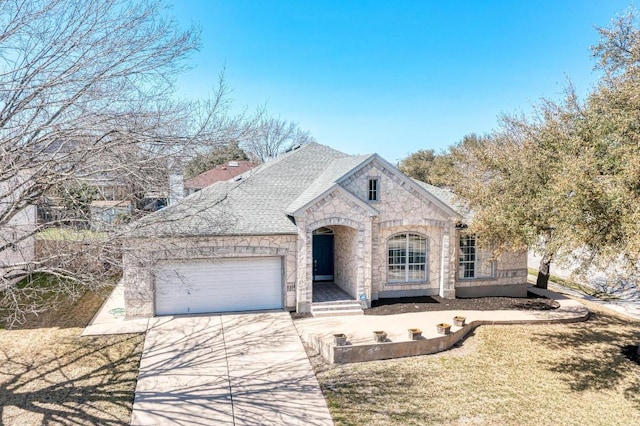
(631, 352)
(437, 303)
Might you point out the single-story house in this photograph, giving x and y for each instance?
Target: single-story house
(313, 217)
(225, 171)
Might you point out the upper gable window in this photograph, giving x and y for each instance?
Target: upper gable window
(374, 189)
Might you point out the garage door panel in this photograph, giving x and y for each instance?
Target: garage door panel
(221, 285)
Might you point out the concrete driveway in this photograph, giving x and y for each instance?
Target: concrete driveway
(233, 369)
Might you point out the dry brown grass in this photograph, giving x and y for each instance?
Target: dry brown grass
(574, 374)
(51, 375)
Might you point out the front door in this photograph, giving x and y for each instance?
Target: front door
(323, 257)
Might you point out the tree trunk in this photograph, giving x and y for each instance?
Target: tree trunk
(543, 272)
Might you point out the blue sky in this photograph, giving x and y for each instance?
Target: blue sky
(393, 77)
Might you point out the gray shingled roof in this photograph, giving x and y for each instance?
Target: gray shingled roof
(255, 205)
(260, 203)
(449, 198)
(327, 179)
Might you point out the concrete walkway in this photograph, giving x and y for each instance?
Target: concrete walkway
(235, 369)
(627, 291)
(630, 308)
(110, 317)
(318, 332)
(251, 368)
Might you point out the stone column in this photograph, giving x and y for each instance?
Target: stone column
(304, 288)
(365, 262)
(447, 269)
(138, 281)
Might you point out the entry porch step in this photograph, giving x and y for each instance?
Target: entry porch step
(336, 308)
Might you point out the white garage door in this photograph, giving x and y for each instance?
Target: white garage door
(220, 285)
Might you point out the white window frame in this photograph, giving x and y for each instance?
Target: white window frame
(405, 263)
(471, 260)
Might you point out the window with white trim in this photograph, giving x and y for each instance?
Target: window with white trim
(373, 190)
(407, 258)
(474, 263)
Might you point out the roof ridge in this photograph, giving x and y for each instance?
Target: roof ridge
(270, 163)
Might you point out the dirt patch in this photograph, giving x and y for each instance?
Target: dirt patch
(299, 315)
(437, 303)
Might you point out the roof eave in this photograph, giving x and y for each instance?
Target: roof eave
(299, 211)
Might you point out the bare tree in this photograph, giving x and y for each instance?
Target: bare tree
(84, 99)
(272, 136)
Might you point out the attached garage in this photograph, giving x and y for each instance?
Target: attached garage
(219, 285)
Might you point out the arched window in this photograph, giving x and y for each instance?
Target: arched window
(407, 258)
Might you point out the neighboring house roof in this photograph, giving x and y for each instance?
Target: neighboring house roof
(261, 201)
(57, 146)
(225, 171)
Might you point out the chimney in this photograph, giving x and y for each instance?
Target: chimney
(176, 186)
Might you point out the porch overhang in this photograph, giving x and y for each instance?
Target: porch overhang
(299, 211)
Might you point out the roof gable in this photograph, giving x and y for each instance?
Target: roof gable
(445, 207)
(342, 170)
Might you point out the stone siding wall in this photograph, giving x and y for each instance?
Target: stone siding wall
(345, 264)
(510, 272)
(335, 210)
(141, 257)
(361, 228)
(404, 209)
(398, 200)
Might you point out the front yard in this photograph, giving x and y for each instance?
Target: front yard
(51, 375)
(573, 374)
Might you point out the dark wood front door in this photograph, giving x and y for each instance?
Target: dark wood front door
(323, 257)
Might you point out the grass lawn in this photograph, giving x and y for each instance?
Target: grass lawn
(574, 374)
(51, 375)
(67, 234)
